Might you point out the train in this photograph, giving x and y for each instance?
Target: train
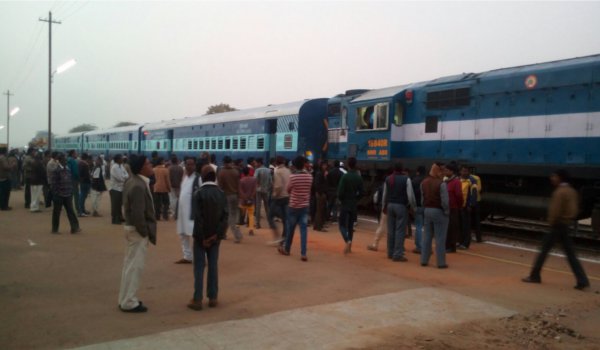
(512, 126)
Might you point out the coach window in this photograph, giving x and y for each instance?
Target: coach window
(251, 142)
(228, 143)
(235, 143)
(157, 145)
(213, 144)
(260, 142)
(398, 114)
(288, 141)
(220, 143)
(242, 143)
(195, 144)
(189, 146)
(373, 117)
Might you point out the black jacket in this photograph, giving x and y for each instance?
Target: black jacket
(210, 212)
(333, 179)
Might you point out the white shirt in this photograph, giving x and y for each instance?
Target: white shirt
(118, 176)
(185, 225)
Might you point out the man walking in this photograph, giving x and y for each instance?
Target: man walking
(210, 224)
(37, 177)
(175, 177)
(229, 182)
(333, 180)
(185, 216)
(140, 228)
(62, 195)
(98, 185)
(350, 189)
(320, 189)
(416, 184)
(73, 166)
(398, 195)
(27, 171)
(5, 181)
(162, 188)
(455, 200)
(279, 200)
(263, 189)
(85, 184)
(562, 212)
(469, 191)
(118, 176)
(299, 186)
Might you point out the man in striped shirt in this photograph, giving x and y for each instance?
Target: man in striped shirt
(298, 188)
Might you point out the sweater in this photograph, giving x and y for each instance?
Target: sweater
(350, 189)
(229, 179)
(563, 208)
(162, 182)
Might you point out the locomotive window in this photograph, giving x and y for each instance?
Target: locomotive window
(448, 98)
(235, 143)
(372, 117)
(228, 143)
(431, 124)
(344, 121)
(398, 114)
(288, 141)
(334, 109)
(242, 143)
(292, 126)
(260, 142)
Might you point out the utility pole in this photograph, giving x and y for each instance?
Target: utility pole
(8, 95)
(50, 21)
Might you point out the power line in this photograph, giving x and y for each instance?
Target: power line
(82, 5)
(31, 45)
(50, 22)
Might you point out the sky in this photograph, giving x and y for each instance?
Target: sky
(148, 61)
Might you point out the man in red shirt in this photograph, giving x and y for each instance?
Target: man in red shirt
(298, 188)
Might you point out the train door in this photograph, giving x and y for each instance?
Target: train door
(271, 148)
(130, 143)
(169, 148)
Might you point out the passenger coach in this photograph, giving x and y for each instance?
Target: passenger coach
(287, 129)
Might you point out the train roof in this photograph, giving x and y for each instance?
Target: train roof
(381, 93)
(114, 130)
(270, 111)
(71, 134)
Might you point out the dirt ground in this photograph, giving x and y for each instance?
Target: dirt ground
(60, 291)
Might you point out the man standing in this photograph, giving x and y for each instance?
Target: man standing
(175, 176)
(333, 180)
(27, 171)
(162, 188)
(349, 192)
(455, 200)
(229, 182)
(247, 196)
(562, 212)
(279, 200)
(118, 176)
(98, 185)
(37, 176)
(5, 183)
(320, 188)
(85, 184)
(140, 228)
(436, 210)
(263, 189)
(398, 194)
(299, 186)
(185, 215)
(416, 183)
(62, 195)
(476, 209)
(73, 166)
(210, 224)
(469, 192)
(50, 168)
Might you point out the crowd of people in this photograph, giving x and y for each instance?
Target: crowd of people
(209, 201)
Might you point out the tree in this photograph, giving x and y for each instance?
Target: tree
(220, 108)
(120, 124)
(83, 128)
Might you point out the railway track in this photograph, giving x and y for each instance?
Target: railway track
(531, 232)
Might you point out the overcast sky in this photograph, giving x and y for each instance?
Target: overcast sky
(150, 61)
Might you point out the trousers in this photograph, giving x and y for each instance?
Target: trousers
(36, 196)
(133, 266)
(397, 218)
(234, 212)
(203, 257)
(67, 203)
(435, 223)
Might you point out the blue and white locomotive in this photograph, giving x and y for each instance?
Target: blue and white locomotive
(513, 126)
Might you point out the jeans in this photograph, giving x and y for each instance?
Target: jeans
(84, 191)
(332, 207)
(559, 231)
(279, 208)
(297, 216)
(453, 229)
(59, 203)
(397, 217)
(234, 212)
(116, 206)
(346, 223)
(261, 198)
(419, 227)
(202, 256)
(436, 227)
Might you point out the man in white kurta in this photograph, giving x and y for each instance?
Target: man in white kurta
(185, 220)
